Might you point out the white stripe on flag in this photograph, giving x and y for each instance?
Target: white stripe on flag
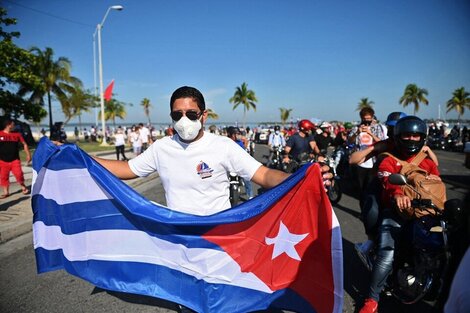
(213, 266)
(60, 186)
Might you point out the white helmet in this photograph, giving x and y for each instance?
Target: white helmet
(325, 125)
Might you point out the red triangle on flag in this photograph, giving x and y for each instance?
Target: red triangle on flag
(305, 209)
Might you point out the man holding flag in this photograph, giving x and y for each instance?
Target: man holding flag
(193, 167)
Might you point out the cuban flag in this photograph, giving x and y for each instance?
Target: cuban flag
(279, 250)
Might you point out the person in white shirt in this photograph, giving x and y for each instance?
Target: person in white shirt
(144, 136)
(120, 143)
(276, 138)
(276, 141)
(136, 140)
(193, 164)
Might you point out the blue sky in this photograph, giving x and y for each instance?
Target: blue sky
(318, 58)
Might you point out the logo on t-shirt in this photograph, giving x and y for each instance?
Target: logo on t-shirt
(203, 170)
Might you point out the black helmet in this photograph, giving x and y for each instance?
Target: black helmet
(409, 125)
(393, 118)
(277, 127)
(232, 130)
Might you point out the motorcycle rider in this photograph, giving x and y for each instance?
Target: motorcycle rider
(276, 138)
(235, 134)
(301, 143)
(276, 141)
(370, 210)
(324, 139)
(409, 135)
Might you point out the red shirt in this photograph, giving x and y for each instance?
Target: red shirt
(9, 146)
(391, 166)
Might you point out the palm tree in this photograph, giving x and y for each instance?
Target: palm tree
(244, 96)
(285, 113)
(459, 101)
(146, 104)
(414, 94)
(55, 78)
(76, 102)
(364, 103)
(211, 114)
(113, 109)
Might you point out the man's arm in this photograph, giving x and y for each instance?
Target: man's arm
(430, 154)
(28, 153)
(120, 169)
(314, 147)
(361, 156)
(268, 178)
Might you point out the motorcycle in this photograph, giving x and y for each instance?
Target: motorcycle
(236, 185)
(453, 144)
(333, 190)
(294, 165)
(276, 159)
(423, 256)
(436, 142)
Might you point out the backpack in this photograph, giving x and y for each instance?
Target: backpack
(428, 188)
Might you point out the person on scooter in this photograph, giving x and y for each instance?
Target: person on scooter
(409, 136)
(301, 143)
(234, 134)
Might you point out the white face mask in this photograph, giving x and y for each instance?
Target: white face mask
(187, 129)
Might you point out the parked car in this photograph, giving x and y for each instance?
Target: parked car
(262, 136)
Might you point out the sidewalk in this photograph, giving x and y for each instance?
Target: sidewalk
(15, 211)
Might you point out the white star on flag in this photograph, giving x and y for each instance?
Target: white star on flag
(285, 242)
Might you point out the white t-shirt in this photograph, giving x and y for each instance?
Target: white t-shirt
(276, 140)
(144, 134)
(135, 139)
(194, 175)
(119, 139)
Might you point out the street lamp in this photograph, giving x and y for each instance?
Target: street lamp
(100, 62)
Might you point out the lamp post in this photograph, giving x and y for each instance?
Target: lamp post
(100, 62)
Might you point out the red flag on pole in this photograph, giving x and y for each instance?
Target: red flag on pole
(109, 91)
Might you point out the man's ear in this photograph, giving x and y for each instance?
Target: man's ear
(204, 117)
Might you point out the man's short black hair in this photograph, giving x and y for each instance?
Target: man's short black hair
(367, 111)
(188, 92)
(232, 130)
(4, 122)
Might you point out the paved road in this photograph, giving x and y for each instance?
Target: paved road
(22, 290)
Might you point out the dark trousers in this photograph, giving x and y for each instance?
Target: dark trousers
(120, 151)
(363, 177)
(370, 210)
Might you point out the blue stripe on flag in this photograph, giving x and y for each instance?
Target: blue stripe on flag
(140, 278)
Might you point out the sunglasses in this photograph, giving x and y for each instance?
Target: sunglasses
(192, 115)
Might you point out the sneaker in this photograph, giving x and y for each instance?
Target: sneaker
(364, 256)
(370, 306)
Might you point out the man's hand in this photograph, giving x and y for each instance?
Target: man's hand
(325, 171)
(403, 202)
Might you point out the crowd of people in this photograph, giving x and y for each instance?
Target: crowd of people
(192, 158)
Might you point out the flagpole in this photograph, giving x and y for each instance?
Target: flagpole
(100, 67)
(95, 91)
